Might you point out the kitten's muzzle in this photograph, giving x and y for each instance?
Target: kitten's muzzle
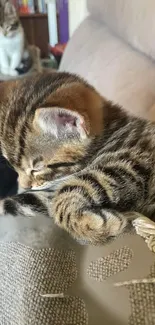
(25, 183)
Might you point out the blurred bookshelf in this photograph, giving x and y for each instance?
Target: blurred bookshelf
(34, 19)
(30, 6)
(46, 24)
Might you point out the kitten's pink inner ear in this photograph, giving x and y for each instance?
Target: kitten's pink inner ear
(64, 119)
(59, 121)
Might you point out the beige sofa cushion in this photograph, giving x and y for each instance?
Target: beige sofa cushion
(134, 20)
(119, 72)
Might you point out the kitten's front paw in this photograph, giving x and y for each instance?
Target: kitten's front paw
(82, 224)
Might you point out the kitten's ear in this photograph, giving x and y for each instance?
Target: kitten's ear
(60, 122)
(9, 9)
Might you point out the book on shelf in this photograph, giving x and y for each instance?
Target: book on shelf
(30, 6)
(26, 7)
(41, 6)
(63, 21)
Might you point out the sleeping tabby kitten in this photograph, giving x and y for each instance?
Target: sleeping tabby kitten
(92, 163)
(15, 58)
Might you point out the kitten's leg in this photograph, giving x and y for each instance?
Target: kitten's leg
(4, 62)
(96, 227)
(15, 62)
(78, 219)
(26, 204)
(86, 207)
(71, 212)
(89, 205)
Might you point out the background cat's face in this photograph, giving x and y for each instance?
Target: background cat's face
(46, 123)
(9, 21)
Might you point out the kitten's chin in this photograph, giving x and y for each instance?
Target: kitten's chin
(12, 33)
(48, 186)
(45, 186)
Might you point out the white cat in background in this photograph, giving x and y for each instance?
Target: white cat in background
(12, 40)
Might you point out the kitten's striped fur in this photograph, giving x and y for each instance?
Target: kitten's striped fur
(54, 126)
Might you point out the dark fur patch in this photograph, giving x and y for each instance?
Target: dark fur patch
(31, 200)
(10, 207)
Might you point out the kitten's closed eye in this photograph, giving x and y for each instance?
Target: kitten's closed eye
(38, 165)
(15, 25)
(61, 164)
